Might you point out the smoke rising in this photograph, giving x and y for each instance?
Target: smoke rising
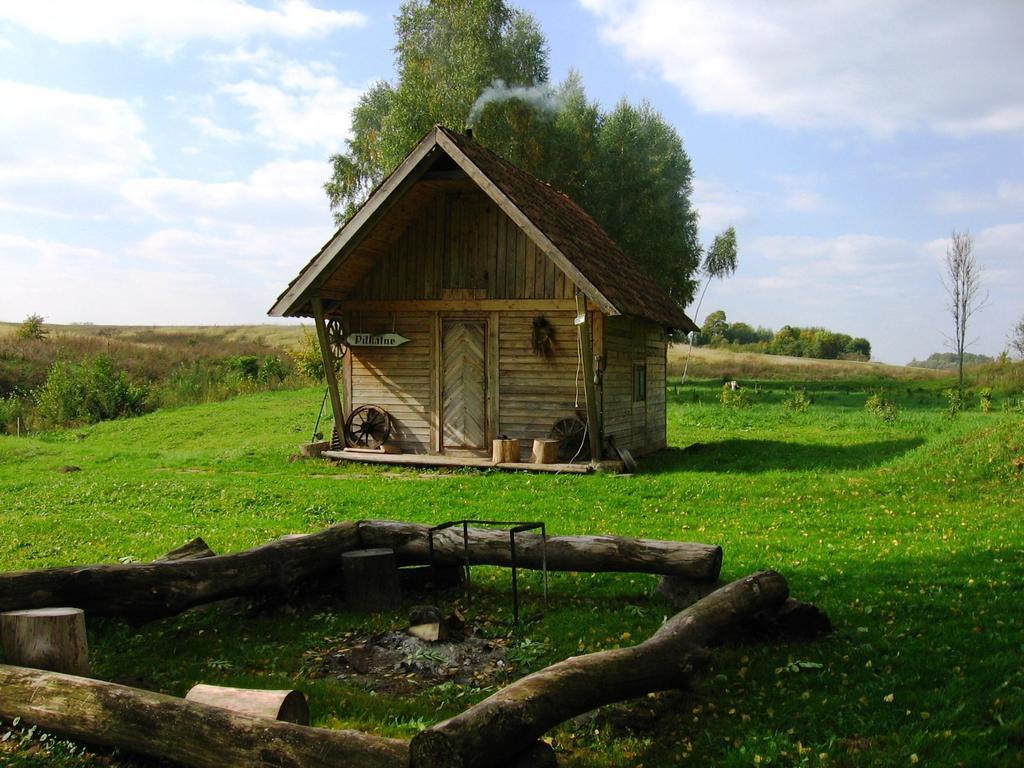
(542, 97)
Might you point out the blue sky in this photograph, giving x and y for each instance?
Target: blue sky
(162, 163)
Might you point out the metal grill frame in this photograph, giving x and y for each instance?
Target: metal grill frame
(514, 527)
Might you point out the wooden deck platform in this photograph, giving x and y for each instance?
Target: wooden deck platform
(438, 460)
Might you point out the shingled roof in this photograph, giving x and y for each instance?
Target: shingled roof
(561, 228)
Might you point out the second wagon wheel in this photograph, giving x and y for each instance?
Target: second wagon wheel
(571, 434)
(369, 426)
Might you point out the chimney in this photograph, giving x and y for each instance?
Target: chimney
(469, 133)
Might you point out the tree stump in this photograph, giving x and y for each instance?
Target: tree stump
(545, 451)
(505, 451)
(371, 580)
(196, 549)
(286, 706)
(46, 638)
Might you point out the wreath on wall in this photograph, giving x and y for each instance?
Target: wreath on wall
(543, 340)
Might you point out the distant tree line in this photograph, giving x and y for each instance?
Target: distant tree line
(950, 361)
(789, 340)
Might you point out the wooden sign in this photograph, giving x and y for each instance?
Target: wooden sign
(375, 340)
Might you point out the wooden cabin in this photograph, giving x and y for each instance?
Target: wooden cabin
(471, 301)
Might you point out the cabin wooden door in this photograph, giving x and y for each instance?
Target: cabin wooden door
(464, 384)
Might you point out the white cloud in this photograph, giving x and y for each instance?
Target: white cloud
(215, 131)
(852, 263)
(61, 151)
(996, 248)
(279, 193)
(799, 194)
(177, 277)
(19, 248)
(946, 66)
(1005, 196)
(161, 27)
(719, 206)
(1010, 192)
(303, 106)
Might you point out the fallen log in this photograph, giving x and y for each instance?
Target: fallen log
(185, 732)
(793, 620)
(701, 562)
(516, 716)
(153, 590)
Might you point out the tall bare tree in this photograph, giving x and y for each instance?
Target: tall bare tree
(1017, 338)
(962, 281)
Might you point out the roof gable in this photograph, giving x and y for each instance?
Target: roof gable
(559, 227)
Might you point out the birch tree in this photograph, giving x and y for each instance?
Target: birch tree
(962, 280)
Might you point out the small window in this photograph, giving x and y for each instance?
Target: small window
(639, 383)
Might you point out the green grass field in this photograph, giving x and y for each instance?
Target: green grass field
(909, 534)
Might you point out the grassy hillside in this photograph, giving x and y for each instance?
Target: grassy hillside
(78, 374)
(908, 533)
(272, 335)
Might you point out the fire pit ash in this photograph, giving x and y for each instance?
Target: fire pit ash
(403, 662)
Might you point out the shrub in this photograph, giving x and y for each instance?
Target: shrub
(273, 370)
(244, 366)
(11, 408)
(31, 328)
(881, 405)
(308, 359)
(61, 398)
(86, 393)
(734, 398)
(798, 401)
(956, 399)
(985, 397)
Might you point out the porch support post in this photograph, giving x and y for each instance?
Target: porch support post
(329, 372)
(586, 346)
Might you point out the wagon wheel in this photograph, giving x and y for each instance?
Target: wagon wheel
(570, 433)
(336, 339)
(369, 426)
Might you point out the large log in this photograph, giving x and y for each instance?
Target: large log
(516, 716)
(188, 733)
(153, 590)
(702, 562)
(793, 620)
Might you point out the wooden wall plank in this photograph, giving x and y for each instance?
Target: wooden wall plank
(493, 375)
(529, 270)
(535, 391)
(398, 378)
(458, 243)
